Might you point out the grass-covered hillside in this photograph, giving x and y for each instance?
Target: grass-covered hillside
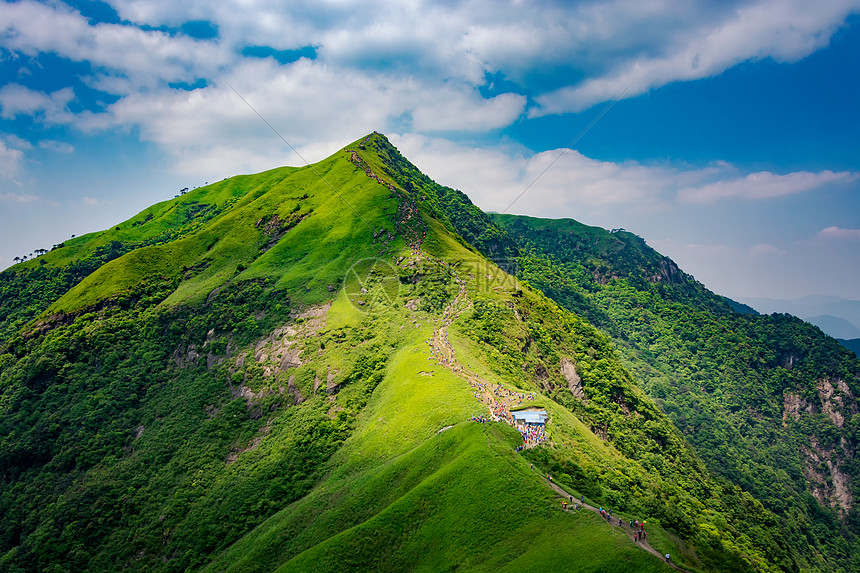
(769, 402)
(278, 372)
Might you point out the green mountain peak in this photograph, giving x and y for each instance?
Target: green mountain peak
(319, 368)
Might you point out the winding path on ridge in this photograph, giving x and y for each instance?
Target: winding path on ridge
(409, 225)
(498, 400)
(642, 543)
(443, 352)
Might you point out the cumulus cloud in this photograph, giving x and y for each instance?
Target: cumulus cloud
(315, 107)
(567, 183)
(16, 100)
(386, 64)
(140, 57)
(10, 160)
(763, 185)
(839, 233)
(783, 30)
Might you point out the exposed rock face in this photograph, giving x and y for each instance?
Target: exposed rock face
(837, 401)
(820, 464)
(186, 356)
(331, 386)
(281, 351)
(793, 406)
(297, 395)
(574, 382)
(823, 464)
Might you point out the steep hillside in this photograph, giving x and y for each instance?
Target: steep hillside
(768, 401)
(282, 371)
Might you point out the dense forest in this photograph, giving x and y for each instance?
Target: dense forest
(206, 386)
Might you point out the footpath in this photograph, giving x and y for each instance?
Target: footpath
(642, 542)
(499, 400)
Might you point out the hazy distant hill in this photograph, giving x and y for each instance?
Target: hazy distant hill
(834, 326)
(815, 306)
(852, 345)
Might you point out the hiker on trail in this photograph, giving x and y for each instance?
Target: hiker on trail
(563, 504)
(667, 558)
(582, 499)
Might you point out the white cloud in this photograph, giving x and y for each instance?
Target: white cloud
(314, 106)
(839, 233)
(16, 100)
(764, 250)
(10, 160)
(91, 201)
(15, 141)
(556, 182)
(142, 57)
(785, 31)
(465, 111)
(388, 65)
(58, 146)
(9, 197)
(763, 185)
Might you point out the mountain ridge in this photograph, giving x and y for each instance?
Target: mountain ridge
(267, 394)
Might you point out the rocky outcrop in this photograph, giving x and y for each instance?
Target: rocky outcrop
(828, 482)
(281, 351)
(824, 465)
(574, 382)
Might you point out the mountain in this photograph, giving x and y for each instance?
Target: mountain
(281, 371)
(834, 326)
(853, 345)
(830, 313)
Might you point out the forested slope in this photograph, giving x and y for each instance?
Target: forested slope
(244, 379)
(770, 402)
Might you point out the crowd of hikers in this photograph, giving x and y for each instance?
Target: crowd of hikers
(532, 435)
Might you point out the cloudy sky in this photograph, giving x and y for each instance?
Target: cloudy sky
(727, 134)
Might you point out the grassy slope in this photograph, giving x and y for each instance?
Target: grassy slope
(231, 247)
(677, 336)
(395, 489)
(394, 495)
(401, 495)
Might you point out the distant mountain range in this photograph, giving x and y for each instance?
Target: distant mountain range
(853, 345)
(838, 317)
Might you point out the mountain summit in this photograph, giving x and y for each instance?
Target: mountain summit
(347, 366)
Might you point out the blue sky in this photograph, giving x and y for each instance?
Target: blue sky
(734, 148)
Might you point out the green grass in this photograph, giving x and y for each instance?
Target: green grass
(362, 478)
